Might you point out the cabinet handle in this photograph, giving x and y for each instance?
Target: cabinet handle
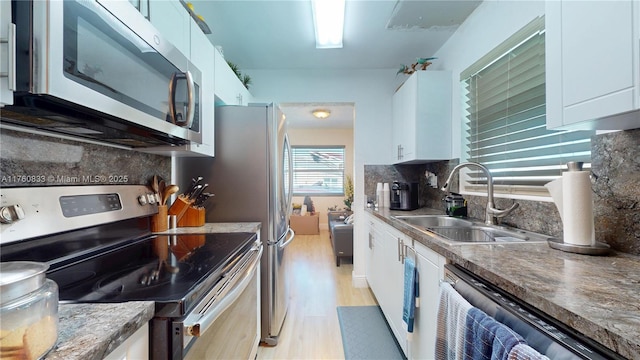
(400, 250)
(370, 241)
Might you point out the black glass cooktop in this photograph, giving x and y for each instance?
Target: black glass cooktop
(161, 268)
(124, 261)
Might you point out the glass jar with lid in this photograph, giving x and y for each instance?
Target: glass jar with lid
(29, 310)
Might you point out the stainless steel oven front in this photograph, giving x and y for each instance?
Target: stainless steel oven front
(225, 324)
(102, 57)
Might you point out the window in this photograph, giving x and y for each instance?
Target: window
(505, 120)
(318, 170)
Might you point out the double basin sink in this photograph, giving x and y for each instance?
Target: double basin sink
(463, 231)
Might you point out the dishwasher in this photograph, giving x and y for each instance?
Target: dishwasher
(544, 334)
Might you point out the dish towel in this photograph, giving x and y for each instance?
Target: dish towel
(450, 330)
(479, 335)
(525, 352)
(486, 338)
(409, 303)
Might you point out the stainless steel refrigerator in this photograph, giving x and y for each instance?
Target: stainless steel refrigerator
(251, 179)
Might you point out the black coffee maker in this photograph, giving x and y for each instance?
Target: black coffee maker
(404, 196)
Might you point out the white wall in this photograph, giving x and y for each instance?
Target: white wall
(490, 24)
(370, 91)
(340, 137)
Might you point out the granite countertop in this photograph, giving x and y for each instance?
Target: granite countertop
(216, 228)
(599, 296)
(92, 331)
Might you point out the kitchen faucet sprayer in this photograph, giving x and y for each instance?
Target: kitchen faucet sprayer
(490, 211)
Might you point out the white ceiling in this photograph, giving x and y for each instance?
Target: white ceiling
(378, 34)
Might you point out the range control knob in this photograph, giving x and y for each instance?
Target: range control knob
(142, 199)
(11, 213)
(151, 198)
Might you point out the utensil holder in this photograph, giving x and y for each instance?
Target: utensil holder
(160, 221)
(194, 216)
(180, 207)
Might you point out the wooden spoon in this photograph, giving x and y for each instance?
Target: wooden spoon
(168, 191)
(154, 184)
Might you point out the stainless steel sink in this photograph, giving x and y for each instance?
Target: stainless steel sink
(428, 221)
(462, 231)
(478, 234)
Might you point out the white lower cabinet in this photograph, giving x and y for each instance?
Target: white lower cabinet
(385, 274)
(430, 269)
(394, 284)
(136, 347)
(374, 257)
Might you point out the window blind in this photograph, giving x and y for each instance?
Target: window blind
(505, 125)
(318, 170)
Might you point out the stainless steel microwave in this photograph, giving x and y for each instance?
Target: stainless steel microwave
(98, 69)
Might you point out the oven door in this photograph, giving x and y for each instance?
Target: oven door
(105, 56)
(225, 324)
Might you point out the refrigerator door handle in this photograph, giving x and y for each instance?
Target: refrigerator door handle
(293, 235)
(289, 171)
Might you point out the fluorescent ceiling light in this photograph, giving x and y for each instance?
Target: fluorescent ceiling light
(328, 19)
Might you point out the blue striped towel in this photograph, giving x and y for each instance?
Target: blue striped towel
(410, 291)
(487, 338)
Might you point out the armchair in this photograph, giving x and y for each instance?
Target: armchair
(341, 234)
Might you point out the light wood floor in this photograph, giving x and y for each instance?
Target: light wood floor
(318, 286)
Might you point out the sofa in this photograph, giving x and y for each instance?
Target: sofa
(340, 234)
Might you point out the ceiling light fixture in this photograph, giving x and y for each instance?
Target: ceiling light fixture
(328, 19)
(321, 113)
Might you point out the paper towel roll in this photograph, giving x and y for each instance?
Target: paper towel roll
(577, 208)
(386, 194)
(379, 196)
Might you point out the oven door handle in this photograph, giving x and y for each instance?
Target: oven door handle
(198, 322)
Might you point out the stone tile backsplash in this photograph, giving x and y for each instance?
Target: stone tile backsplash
(615, 161)
(34, 160)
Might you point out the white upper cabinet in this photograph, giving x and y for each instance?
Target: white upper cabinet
(173, 21)
(229, 89)
(592, 64)
(422, 118)
(7, 54)
(202, 55)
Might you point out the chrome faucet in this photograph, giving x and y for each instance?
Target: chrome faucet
(490, 212)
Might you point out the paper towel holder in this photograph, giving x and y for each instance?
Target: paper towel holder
(598, 248)
(575, 165)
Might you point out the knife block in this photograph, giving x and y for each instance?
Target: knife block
(194, 216)
(160, 221)
(180, 207)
